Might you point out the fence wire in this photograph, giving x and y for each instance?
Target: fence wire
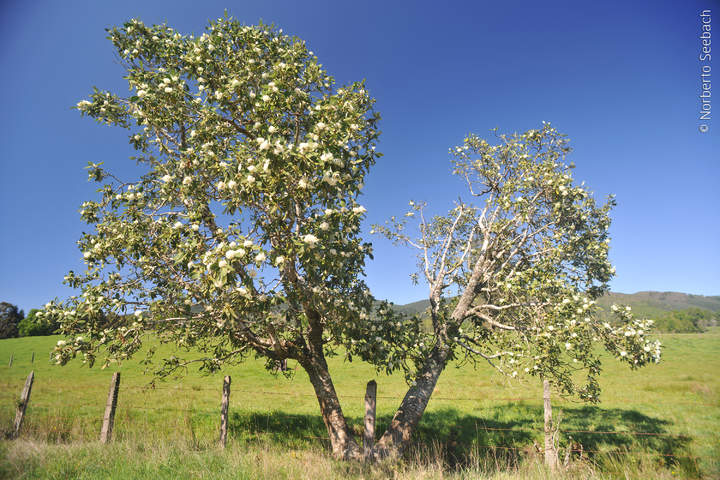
(129, 408)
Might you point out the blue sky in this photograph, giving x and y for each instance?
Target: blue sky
(620, 78)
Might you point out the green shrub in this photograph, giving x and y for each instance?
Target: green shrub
(34, 325)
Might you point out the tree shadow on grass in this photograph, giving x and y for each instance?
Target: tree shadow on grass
(513, 431)
(500, 436)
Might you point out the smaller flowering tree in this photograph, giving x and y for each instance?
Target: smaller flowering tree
(513, 273)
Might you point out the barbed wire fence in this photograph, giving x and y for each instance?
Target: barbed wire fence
(112, 404)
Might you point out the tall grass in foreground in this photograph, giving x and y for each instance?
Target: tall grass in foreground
(477, 425)
(26, 459)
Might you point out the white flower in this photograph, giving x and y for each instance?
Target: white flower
(266, 98)
(242, 290)
(272, 129)
(326, 157)
(230, 254)
(221, 185)
(232, 184)
(330, 179)
(250, 179)
(248, 243)
(568, 346)
(166, 178)
(263, 144)
(141, 93)
(251, 168)
(168, 90)
(303, 183)
(324, 226)
(83, 104)
(61, 343)
(359, 209)
(279, 260)
(222, 264)
(310, 239)
(320, 125)
(195, 227)
(623, 353)
(187, 180)
(177, 225)
(86, 255)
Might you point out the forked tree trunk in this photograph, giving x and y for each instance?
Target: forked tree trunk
(344, 445)
(405, 421)
(551, 456)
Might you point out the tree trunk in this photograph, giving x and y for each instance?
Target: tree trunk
(551, 456)
(398, 435)
(342, 441)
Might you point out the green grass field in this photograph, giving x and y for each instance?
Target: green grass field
(663, 421)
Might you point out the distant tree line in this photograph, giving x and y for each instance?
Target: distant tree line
(14, 323)
(691, 320)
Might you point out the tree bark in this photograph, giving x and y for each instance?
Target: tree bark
(398, 435)
(342, 441)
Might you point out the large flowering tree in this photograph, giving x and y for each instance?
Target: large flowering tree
(240, 233)
(513, 272)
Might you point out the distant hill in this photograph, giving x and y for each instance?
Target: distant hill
(644, 304)
(654, 304)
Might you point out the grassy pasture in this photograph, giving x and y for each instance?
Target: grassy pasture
(478, 425)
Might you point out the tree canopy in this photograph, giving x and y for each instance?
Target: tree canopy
(241, 233)
(10, 316)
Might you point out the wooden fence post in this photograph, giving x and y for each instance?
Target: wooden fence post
(369, 436)
(11, 359)
(551, 455)
(32, 360)
(224, 411)
(109, 418)
(24, 399)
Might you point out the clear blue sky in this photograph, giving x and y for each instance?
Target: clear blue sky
(620, 78)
